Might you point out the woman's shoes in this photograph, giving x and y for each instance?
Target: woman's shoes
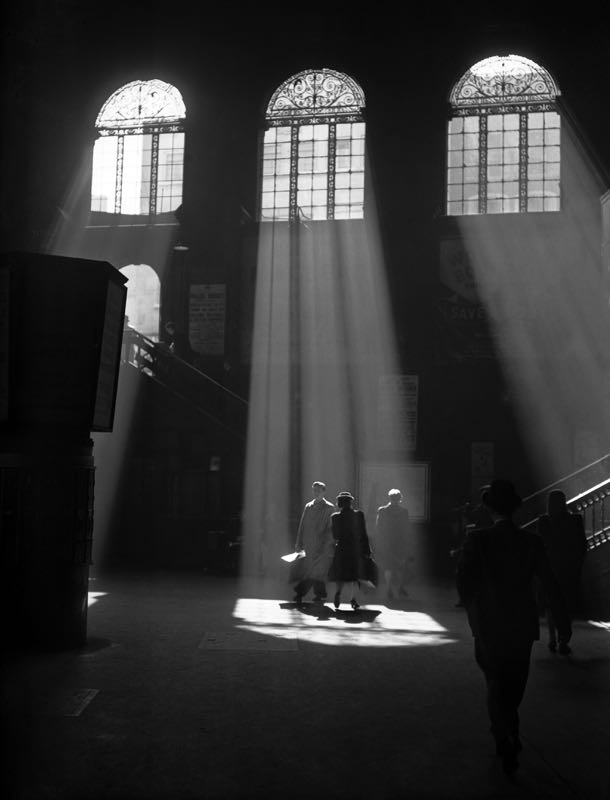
(337, 600)
(354, 604)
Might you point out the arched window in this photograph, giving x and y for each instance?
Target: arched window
(313, 153)
(143, 299)
(503, 152)
(138, 158)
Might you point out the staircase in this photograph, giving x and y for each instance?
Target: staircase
(588, 493)
(226, 409)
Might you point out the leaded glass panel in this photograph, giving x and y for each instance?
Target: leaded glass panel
(503, 142)
(316, 142)
(138, 160)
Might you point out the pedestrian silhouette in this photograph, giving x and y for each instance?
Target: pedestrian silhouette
(315, 538)
(393, 544)
(496, 571)
(352, 548)
(563, 534)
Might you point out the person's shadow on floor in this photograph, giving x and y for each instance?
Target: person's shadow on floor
(323, 612)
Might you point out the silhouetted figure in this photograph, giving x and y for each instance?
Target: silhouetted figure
(495, 578)
(351, 548)
(563, 534)
(393, 543)
(178, 342)
(315, 537)
(470, 518)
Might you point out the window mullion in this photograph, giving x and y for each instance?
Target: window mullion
(154, 171)
(118, 189)
(332, 160)
(293, 210)
(482, 164)
(523, 116)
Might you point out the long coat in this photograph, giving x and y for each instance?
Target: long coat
(495, 579)
(314, 536)
(566, 545)
(392, 536)
(351, 545)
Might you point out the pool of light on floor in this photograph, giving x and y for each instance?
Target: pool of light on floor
(390, 627)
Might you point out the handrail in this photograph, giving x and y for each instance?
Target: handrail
(217, 402)
(158, 348)
(565, 478)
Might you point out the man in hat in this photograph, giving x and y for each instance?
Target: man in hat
(315, 537)
(495, 579)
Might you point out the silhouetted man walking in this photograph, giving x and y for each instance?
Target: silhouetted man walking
(495, 579)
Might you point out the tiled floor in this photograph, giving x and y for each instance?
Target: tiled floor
(202, 687)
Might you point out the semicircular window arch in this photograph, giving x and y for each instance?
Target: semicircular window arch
(313, 149)
(138, 157)
(503, 139)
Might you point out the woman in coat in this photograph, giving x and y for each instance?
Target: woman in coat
(351, 547)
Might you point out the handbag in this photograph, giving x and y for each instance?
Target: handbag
(369, 571)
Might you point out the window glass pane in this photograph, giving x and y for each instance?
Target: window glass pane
(283, 150)
(535, 137)
(319, 212)
(494, 173)
(551, 153)
(344, 130)
(471, 206)
(535, 120)
(358, 130)
(511, 189)
(456, 141)
(535, 204)
(471, 141)
(551, 203)
(551, 119)
(456, 125)
(342, 163)
(471, 124)
(136, 174)
(342, 196)
(282, 167)
(510, 172)
(511, 205)
(282, 182)
(551, 136)
(471, 175)
(304, 181)
(103, 179)
(471, 158)
(454, 208)
(494, 140)
(511, 155)
(454, 175)
(283, 134)
(550, 170)
(357, 180)
(320, 181)
(511, 122)
(305, 132)
(305, 165)
(454, 192)
(494, 206)
(494, 157)
(534, 154)
(511, 139)
(494, 122)
(535, 171)
(342, 180)
(320, 132)
(318, 197)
